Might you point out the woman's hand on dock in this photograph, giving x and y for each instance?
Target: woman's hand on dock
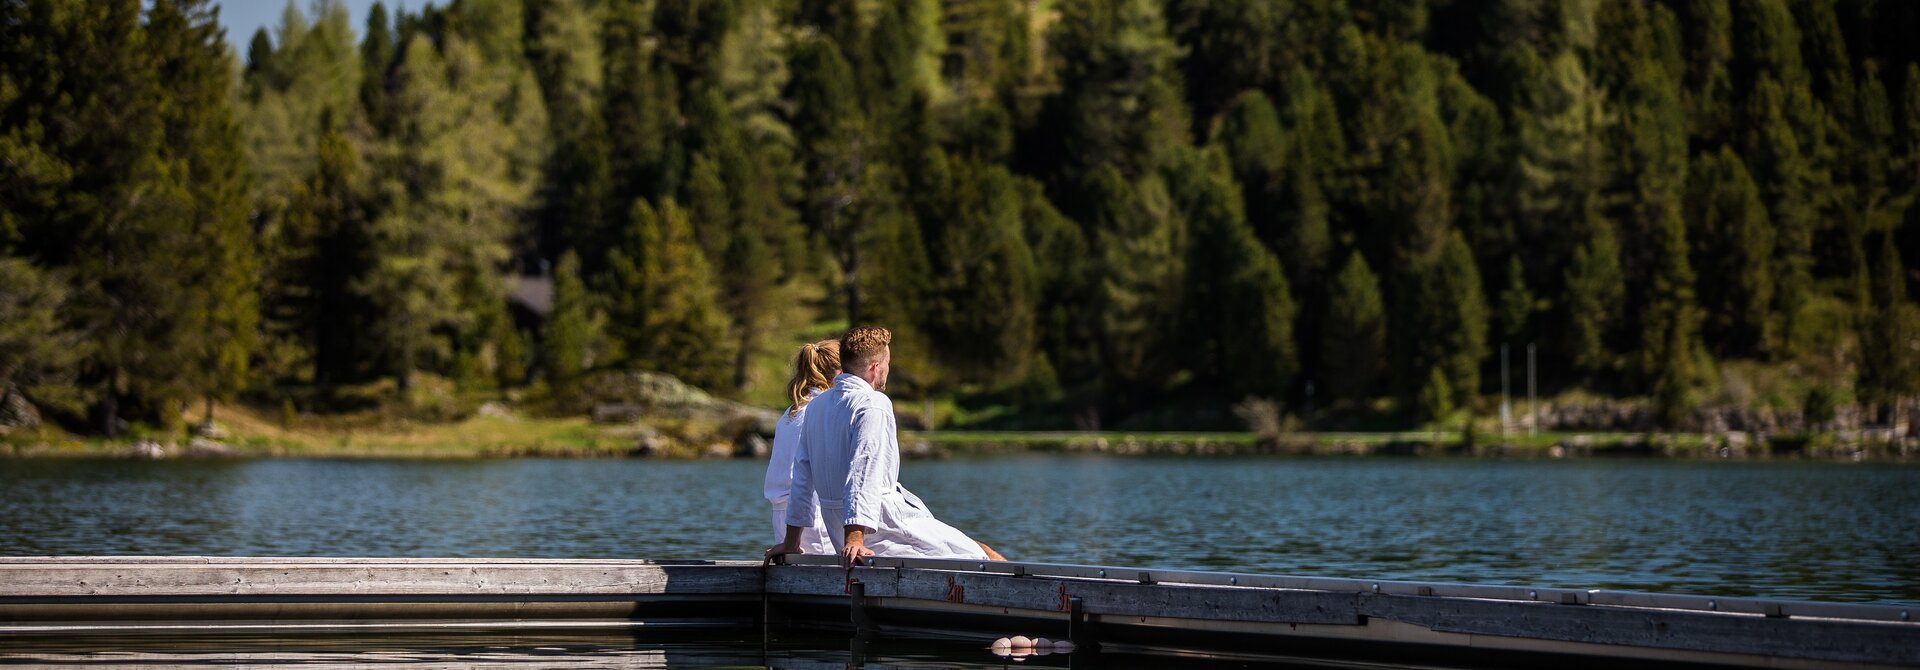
(783, 549)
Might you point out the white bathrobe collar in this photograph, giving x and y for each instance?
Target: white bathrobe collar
(852, 381)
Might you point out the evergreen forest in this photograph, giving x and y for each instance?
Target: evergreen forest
(1097, 213)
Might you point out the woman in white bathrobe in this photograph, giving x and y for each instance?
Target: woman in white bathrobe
(813, 369)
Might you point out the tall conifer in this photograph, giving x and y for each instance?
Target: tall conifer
(1354, 337)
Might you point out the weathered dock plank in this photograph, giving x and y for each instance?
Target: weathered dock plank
(368, 577)
(169, 595)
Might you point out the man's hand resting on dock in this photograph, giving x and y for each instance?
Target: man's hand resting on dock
(856, 552)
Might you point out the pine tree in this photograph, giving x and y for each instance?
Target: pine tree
(1067, 309)
(1453, 318)
(566, 346)
(985, 287)
(454, 187)
(754, 68)
(318, 249)
(260, 60)
(1647, 145)
(629, 294)
(1121, 103)
(1517, 303)
(583, 187)
(1835, 98)
(1889, 368)
(841, 21)
(988, 49)
(314, 72)
(38, 350)
(1239, 307)
(709, 206)
(896, 278)
(1137, 241)
(1288, 208)
(1594, 296)
(834, 151)
(907, 44)
(635, 109)
(1559, 159)
(221, 302)
(1316, 155)
(730, 224)
(1647, 154)
(664, 310)
(747, 295)
(1435, 401)
(104, 200)
(737, 185)
(1401, 152)
(1234, 45)
(1878, 157)
(1479, 145)
(377, 50)
(1354, 339)
(1734, 243)
(1787, 148)
(510, 355)
(476, 347)
(690, 35)
(1670, 330)
(1708, 84)
(1785, 179)
(1910, 167)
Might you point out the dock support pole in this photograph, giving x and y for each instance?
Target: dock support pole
(766, 605)
(766, 615)
(1078, 630)
(858, 606)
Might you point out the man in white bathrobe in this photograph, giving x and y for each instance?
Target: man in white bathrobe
(848, 459)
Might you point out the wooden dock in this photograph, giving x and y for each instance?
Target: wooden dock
(1106, 610)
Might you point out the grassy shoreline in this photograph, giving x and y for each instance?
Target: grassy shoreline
(247, 433)
(1568, 444)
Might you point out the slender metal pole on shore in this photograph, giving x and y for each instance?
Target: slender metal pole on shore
(1506, 400)
(1533, 404)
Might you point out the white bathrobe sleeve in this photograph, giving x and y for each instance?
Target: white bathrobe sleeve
(866, 482)
(801, 504)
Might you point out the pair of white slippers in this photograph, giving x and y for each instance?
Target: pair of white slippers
(1021, 645)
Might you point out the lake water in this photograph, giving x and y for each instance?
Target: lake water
(1817, 531)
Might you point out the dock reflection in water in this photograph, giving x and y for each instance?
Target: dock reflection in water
(784, 649)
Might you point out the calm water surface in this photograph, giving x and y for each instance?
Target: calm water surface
(1797, 530)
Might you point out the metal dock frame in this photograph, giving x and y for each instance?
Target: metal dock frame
(1177, 611)
(1104, 609)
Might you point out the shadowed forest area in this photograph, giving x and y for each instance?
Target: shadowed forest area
(1136, 214)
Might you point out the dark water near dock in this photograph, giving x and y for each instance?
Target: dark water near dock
(1795, 530)
(785, 650)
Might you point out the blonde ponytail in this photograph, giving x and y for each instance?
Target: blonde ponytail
(813, 370)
